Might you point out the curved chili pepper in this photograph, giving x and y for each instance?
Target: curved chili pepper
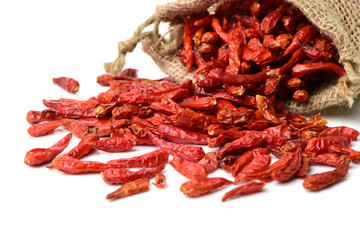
(38, 156)
(114, 144)
(33, 117)
(183, 136)
(83, 147)
(203, 186)
(42, 129)
(266, 109)
(79, 129)
(349, 153)
(130, 188)
(270, 21)
(304, 35)
(188, 44)
(238, 79)
(296, 57)
(340, 131)
(300, 70)
(288, 172)
(202, 104)
(210, 162)
(189, 169)
(246, 159)
(215, 24)
(249, 141)
(248, 188)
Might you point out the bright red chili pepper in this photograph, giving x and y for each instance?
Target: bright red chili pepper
(248, 188)
(189, 169)
(304, 35)
(160, 180)
(34, 117)
(130, 188)
(114, 144)
(68, 84)
(203, 186)
(300, 70)
(270, 21)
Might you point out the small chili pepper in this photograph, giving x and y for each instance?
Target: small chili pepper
(329, 159)
(237, 40)
(68, 84)
(266, 110)
(304, 35)
(340, 131)
(254, 44)
(130, 188)
(231, 118)
(203, 21)
(114, 144)
(203, 186)
(305, 167)
(42, 129)
(249, 141)
(300, 95)
(300, 70)
(284, 40)
(296, 57)
(263, 56)
(83, 147)
(145, 112)
(151, 159)
(125, 111)
(189, 169)
(246, 159)
(160, 180)
(293, 83)
(210, 38)
(136, 96)
(105, 79)
(34, 117)
(186, 151)
(215, 24)
(122, 175)
(349, 153)
(289, 23)
(202, 104)
(238, 79)
(237, 91)
(319, 181)
(270, 43)
(321, 144)
(197, 36)
(145, 124)
(38, 156)
(190, 119)
(248, 188)
(269, 22)
(255, 9)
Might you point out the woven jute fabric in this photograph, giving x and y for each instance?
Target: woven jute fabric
(337, 19)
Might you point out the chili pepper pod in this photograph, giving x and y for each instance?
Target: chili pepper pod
(248, 188)
(68, 84)
(203, 186)
(130, 188)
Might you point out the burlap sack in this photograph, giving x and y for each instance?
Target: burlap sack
(337, 19)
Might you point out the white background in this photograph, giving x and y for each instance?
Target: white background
(45, 39)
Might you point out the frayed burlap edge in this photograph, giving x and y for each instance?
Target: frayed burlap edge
(334, 18)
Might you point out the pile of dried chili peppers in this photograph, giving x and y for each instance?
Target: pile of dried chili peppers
(247, 57)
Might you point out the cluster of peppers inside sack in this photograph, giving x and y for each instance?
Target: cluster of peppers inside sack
(244, 65)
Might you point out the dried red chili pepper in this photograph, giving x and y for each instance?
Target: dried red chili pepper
(68, 84)
(248, 188)
(289, 23)
(189, 169)
(151, 159)
(340, 131)
(249, 141)
(190, 119)
(266, 109)
(210, 38)
(188, 44)
(300, 95)
(300, 70)
(304, 35)
(105, 79)
(160, 180)
(284, 40)
(319, 181)
(38, 156)
(125, 111)
(79, 129)
(293, 83)
(349, 153)
(246, 159)
(270, 43)
(305, 167)
(122, 175)
(232, 118)
(83, 147)
(269, 22)
(238, 79)
(237, 40)
(130, 188)
(215, 24)
(203, 186)
(210, 162)
(329, 159)
(183, 136)
(114, 144)
(201, 104)
(186, 151)
(321, 144)
(288, 172)
(42, 129)
(34, 117)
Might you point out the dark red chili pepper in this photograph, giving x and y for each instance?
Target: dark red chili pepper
(319, 181)
(68, 84)
(288, 172)
(42, 129)
(304, 35)
(266, 109)
(190, 119)
(238, 79)
(300, 70)
(340, 131)
(114, 144)
(249, 141)
(183, 136)
(197, 37)
(215, 24)
(293, 83)
(105, 79)
(300, 95)
(201, 104)
(349, 153)
(237, 40)
(38, 156)
(248, 188)
(231, 118)
(203, 186)
(125, 111)
(151, 159)
(296, 57)
(289, 23)
(188, 44)
(246, 158)
(122, 175)
(130, 188)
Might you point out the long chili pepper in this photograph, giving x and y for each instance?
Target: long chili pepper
(288, 172)
(340, 131)
(321, 144)
(79, 129)
(42, 129)
(130, 188)
(183, 136)
(304, 35)
(349, 153)
(202, 186)
(266, 109)
(189, 169)
(34, 117)
(248, 188)
(215, 24)
(68, 84)
(188, 45)
(249, 141)
(246, 158)
(114, 144)
(201, 104)
(151, 159)
(83, 147)
(238, 79)
(270, 21)
(300, 70)
(186, 151)
(122, 175)
(40, 156)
